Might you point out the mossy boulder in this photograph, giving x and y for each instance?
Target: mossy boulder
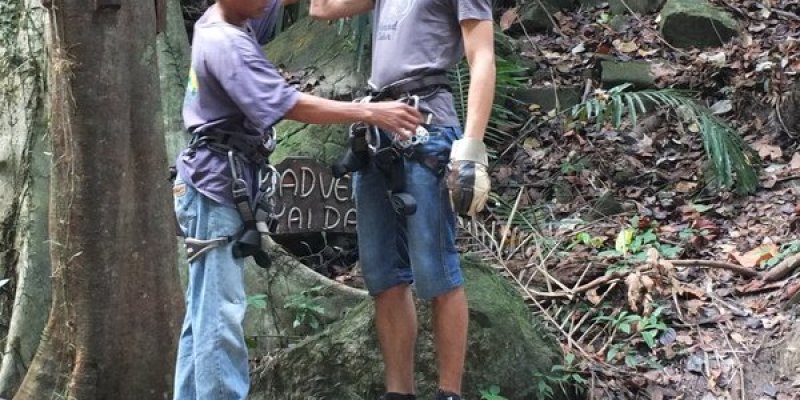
(326, 56)
(325, 143)
(693, 23)
(537, 15)
(507, 347)
(638, 73)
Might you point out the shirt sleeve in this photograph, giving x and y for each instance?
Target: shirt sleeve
(473, 9)
(264, 26)
(253, 83)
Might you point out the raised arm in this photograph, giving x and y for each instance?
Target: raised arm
(479, 49)
(335, 9)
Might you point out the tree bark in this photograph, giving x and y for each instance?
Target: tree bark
(24, 172)
(116, 305)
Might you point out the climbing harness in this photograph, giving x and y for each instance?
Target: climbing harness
(242, 151)
(369, 144)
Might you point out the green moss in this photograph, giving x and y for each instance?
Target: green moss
(506, 347)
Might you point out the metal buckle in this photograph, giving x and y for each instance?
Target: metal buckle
(420, 136)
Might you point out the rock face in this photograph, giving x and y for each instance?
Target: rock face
(549, 97)
(619, 72)
(326, 57)
(343, 361)
(692, 23)
(625, 6)
(533, 17)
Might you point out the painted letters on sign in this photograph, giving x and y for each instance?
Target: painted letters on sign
(310, 199)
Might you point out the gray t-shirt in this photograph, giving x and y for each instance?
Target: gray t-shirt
(230, 80)
(414, 37)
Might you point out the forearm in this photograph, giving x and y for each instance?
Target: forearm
(481, 95)
(316, 110)
(335, 9)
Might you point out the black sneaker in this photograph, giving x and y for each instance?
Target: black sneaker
(447, 396)
(398, 396)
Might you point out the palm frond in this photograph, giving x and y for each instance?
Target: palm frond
(731, 159)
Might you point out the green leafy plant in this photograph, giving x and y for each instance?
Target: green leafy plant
(306, 308)
(258, 301)
(787, 250)
(562, 376)
(731, 159)
(633, 242)
(647, 328)
(574, 166)
(493, 393)
(586, 239)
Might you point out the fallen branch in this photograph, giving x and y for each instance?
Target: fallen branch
(783, 269)
(744, 271)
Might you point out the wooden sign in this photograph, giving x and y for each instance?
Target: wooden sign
(310, 199)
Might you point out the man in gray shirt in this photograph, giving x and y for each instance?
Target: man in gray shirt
(232, 85)
(414, 40)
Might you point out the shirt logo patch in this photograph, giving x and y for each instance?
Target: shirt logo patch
(392, 15)
(192, 85)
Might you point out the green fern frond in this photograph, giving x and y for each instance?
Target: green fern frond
(508, 77)
(731, 159)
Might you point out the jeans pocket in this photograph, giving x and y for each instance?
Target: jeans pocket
(184, 197)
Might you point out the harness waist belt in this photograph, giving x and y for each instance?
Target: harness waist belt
(412, 86)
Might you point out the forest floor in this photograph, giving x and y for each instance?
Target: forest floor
(658, 282)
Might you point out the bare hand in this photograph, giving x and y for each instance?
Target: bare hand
(395, 117)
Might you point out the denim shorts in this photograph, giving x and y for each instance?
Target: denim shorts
(420, 248)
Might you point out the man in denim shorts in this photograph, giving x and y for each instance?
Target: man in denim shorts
(232, 85)
(417, 41)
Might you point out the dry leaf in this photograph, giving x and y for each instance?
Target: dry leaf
(768, 151)
(795, 163)
(685, 339)
(593, 297)
(685, 186)
(508, 18)
(694, 306)
(625, 47)
(754, 257)
(737, 337)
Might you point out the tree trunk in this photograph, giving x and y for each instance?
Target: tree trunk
(24, 172)
(115, 286)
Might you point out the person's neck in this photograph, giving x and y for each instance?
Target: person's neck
(230, 16)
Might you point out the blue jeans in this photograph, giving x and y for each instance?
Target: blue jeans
(420, 248)
(212, 355)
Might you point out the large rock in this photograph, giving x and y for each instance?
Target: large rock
(638, 73)
(696, 23)
(325, 143)
(343, 361)
(324, 54)
(533, 17)
(622, 6)
(549, 97)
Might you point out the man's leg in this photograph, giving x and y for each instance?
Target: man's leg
(450, 316)
(216, 306)
(384, 262)
(435, 260)
(396, 320)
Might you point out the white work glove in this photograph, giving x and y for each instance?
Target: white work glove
(467, 177)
